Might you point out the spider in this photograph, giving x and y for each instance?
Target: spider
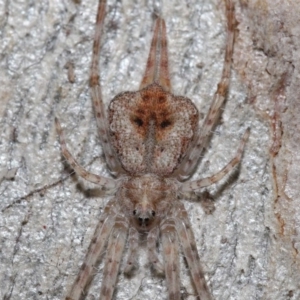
(152, 144)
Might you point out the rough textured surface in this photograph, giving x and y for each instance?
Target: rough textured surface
(267, 59)
(249, 245)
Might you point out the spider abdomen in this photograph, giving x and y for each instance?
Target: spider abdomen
(151, 129)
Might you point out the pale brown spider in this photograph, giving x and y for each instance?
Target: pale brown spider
(152, 145)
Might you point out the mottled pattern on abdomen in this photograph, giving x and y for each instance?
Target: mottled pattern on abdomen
(151, 129)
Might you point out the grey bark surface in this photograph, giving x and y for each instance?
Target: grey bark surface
(249, 245)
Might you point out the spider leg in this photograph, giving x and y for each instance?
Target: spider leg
(152, 253)
(171, 258)
(200, 183)
(95, 250)
(157, 68)
(189, 247)
(108, 183)
(110, 155)
(113, 257)
(200, 140)
(133, 241)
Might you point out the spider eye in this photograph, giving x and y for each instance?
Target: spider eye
(153, 213)
(134, 212)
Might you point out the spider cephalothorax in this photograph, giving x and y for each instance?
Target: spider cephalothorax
(147, 199)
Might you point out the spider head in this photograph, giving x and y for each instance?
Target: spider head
(146, 199)
(144, 216)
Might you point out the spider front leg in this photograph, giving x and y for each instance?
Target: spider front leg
(133, 242)
(189, 247)
(171, 258)
(152, 239)
(114, 253)
(95, 250)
